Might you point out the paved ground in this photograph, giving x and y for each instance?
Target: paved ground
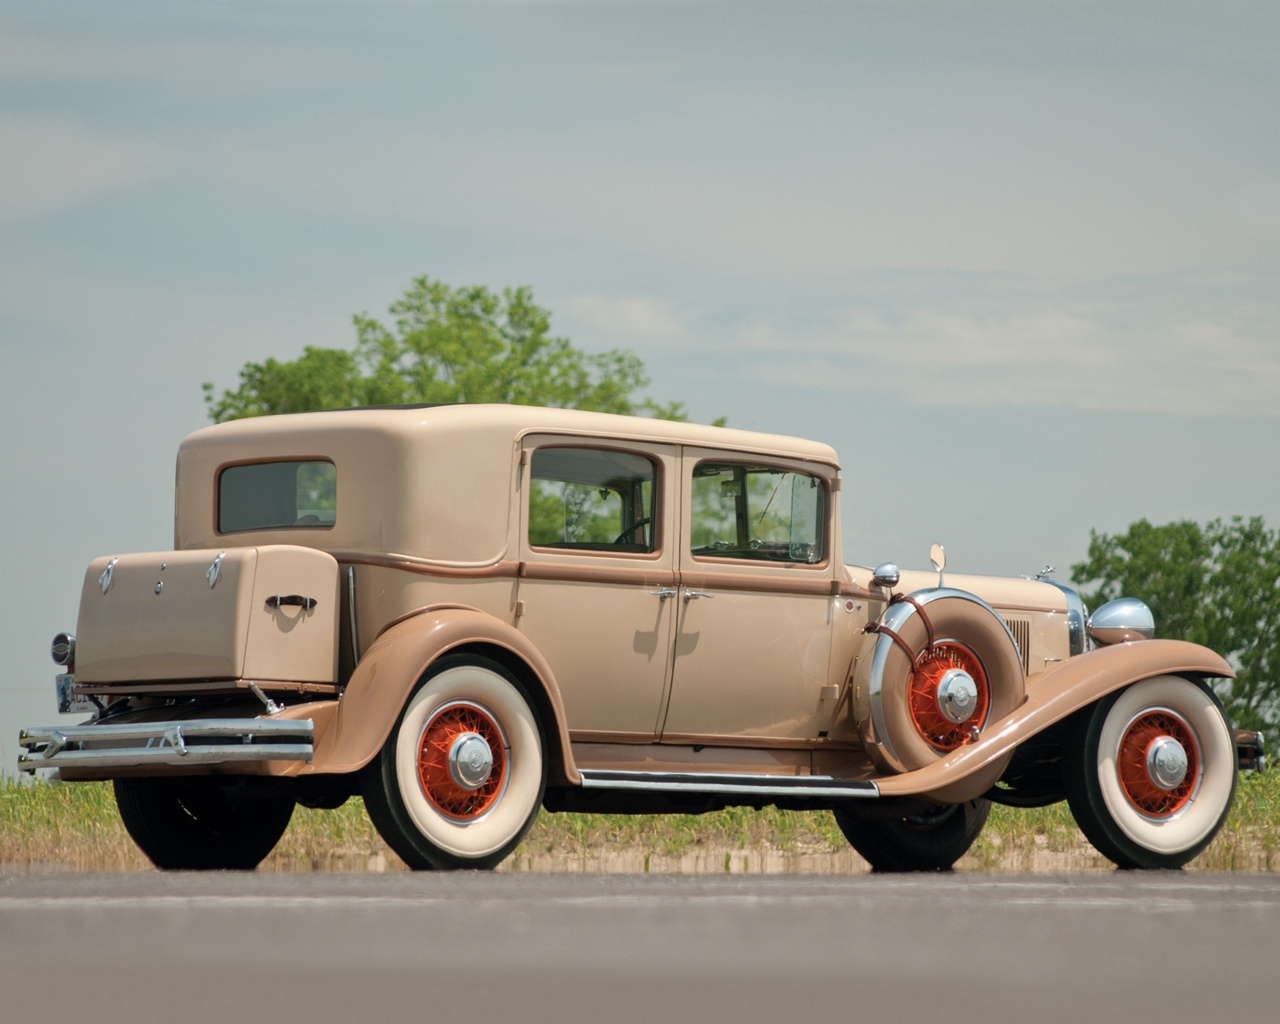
(476, 948)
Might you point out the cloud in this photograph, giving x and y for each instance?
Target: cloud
(634, 316)
(50, 163)
(110, 56)
(1172, 353)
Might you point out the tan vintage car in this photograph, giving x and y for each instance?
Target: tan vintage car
(466, 613)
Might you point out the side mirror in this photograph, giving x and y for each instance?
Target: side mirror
(886, 575)
(938, 559)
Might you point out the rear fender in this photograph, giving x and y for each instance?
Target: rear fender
(392, 666)
(1051, 697)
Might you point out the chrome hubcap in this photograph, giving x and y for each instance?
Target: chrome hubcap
(1166, 762)
(470, 761)
(957, 696)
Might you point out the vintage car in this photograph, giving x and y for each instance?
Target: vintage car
(466, 613)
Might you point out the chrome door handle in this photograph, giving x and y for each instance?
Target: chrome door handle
(690, 595)
(664, 592)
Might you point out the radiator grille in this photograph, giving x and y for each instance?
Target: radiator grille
(1021, 630)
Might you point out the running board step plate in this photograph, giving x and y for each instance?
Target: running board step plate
(704, 782)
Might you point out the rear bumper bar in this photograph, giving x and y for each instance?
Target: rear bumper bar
(196, 741)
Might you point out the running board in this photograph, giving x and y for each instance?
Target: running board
(738, 785)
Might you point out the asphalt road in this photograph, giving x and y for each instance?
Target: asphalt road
(473, 948)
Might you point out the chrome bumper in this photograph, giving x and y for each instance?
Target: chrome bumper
(196, 741)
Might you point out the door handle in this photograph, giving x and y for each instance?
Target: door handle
(691, 595)
(663, 592)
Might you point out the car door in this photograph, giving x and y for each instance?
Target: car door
(597, 589)
(756, 602)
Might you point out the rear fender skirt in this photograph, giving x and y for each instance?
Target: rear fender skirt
(1051, 697)
(392, 666)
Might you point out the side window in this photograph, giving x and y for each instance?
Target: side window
(757, 512)
(272, 495)
(591, 499)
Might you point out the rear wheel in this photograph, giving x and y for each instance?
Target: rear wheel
(203, 824)
(932, 841)
(462, 775)
(1151, 772)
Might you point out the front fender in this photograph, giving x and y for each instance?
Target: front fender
(1051, 697)
(392, 666)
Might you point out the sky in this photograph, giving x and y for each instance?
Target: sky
(1018, 262)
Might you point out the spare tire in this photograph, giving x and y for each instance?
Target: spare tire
(942, 667)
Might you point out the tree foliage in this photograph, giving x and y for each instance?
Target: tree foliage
(446, 344)
(1217, 585)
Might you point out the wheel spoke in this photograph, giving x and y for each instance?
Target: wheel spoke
(937, 730)
(446, 727)
(1146, 795)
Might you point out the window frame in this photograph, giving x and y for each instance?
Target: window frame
(741, 460)
(656, 517)
(299, 460)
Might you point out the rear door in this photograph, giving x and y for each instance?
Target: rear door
(598, 580)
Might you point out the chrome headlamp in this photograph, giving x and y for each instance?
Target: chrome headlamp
(1122, 621)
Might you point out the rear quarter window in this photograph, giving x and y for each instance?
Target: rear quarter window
(277, 495)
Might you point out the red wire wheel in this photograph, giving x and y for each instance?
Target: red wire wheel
(453, 799)
(1139, 787)
(922, 696)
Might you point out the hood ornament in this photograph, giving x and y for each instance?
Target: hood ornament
(104, 581)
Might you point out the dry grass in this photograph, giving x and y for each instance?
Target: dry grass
(75, 827)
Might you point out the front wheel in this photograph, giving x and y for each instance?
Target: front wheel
(203, 824)
(933, 841)
(1151, 772)
(462, 775)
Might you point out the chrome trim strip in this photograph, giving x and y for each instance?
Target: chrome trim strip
(128, 757)
(699, 782)
(251, 727)
(1077, 616)
(351, 610)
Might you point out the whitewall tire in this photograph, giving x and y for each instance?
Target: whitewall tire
(1151, 772)
(462, 775)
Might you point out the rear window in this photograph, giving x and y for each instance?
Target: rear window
(277, 495)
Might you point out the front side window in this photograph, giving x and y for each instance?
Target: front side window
(757, 512)
(277, 495)
(591, 499)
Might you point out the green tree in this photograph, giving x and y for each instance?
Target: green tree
(446, 344)
(1217, 585)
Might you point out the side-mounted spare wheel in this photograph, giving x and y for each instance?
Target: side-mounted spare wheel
(1150, 772)
(462, 775)
(941, 668)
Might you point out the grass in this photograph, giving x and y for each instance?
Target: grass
(76, 827)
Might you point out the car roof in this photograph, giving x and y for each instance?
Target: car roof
(511, 421)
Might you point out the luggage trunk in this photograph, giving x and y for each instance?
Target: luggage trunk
(255, 613)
